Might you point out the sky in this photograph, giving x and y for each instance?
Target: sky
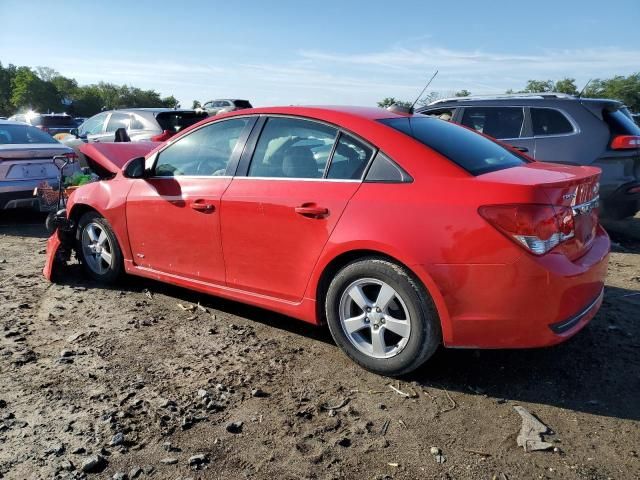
(321, 52)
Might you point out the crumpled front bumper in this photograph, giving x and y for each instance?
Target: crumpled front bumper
(58, 246)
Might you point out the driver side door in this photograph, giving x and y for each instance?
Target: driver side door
(173, 216)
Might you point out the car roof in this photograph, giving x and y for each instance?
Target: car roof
(319, 111)
(520, 99)
(13, 122)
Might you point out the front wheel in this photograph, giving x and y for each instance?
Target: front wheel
(381, 317)
(98, 248)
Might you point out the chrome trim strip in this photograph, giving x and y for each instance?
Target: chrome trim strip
(586, 207)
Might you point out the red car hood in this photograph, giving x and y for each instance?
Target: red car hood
(113, 156)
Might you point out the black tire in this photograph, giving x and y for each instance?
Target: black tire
(425, 333)
(115, 268)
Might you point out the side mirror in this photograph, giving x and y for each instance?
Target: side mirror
(135, 168)
(74, 132)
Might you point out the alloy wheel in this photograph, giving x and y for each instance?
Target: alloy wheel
(375, 318)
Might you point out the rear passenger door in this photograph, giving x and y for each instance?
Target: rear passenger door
(506, 124)
(552, 130)
(292, 185)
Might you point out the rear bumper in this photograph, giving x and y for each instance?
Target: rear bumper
(534, 302)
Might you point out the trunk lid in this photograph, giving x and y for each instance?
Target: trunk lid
(31, 151)
(30, 161)
(567, 188)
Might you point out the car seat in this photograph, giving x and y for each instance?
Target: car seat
(299, 162)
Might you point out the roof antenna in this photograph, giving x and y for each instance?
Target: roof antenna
(584, 88)
(401, 109)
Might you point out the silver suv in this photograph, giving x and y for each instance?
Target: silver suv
(214, 107)
(559, 128)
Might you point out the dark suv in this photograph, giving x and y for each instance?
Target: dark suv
(52, 123)
(561, 129)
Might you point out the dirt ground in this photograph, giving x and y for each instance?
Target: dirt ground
(138, 382)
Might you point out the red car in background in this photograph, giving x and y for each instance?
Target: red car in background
(401, 232)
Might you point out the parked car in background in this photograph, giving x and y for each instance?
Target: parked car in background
(214, 107)
(52, 123)
(26, 160)
(140, 124)
(406, 235)
(156, 124)
(564, 129)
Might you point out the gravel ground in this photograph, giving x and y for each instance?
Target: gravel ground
(140, 382)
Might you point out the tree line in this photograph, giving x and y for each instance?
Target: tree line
(625, 89)
(42, 89)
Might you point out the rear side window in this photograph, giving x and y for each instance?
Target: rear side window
(497, 122)
(292, 148)
(475, 153)
(350, 159)
(620, 122)
(116, 121)
(547, 121)
(176, 121)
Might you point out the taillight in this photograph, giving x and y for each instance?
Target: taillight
(625, 142)
(44, 129)
(72, 156)
(165, 135)
(537, 228)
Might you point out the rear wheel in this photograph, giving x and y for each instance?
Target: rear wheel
(98, 248)
(379, 315)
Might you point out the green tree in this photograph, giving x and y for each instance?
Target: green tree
(46, 73)
(196, 104)
(566, 85)
(538, 86)
(6, 77)
(30, 91)
(463, 93)
(171, 102)
(624, 89)
(388, 101)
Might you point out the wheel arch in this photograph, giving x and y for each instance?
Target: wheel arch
(419, 275)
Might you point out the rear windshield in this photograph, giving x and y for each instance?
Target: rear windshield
(620, 122)
(470, 150)
(53, 121)
(176, 121)
(242, 104)
(21, 134)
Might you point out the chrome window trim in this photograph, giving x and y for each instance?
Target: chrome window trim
(296, 179)
(340, 130)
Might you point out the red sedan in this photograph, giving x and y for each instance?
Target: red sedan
(400, 232)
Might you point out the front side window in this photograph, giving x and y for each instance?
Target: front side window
(473, 152)
(350, 159)
(292, 148)
(497, 122)
(93, 125)
(204, 152)
(118, 120)
(547, 121)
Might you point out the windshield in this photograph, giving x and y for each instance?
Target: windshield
(21, 134)
(474, 152)
(176, 121)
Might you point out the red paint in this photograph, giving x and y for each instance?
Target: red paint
(267, 242)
